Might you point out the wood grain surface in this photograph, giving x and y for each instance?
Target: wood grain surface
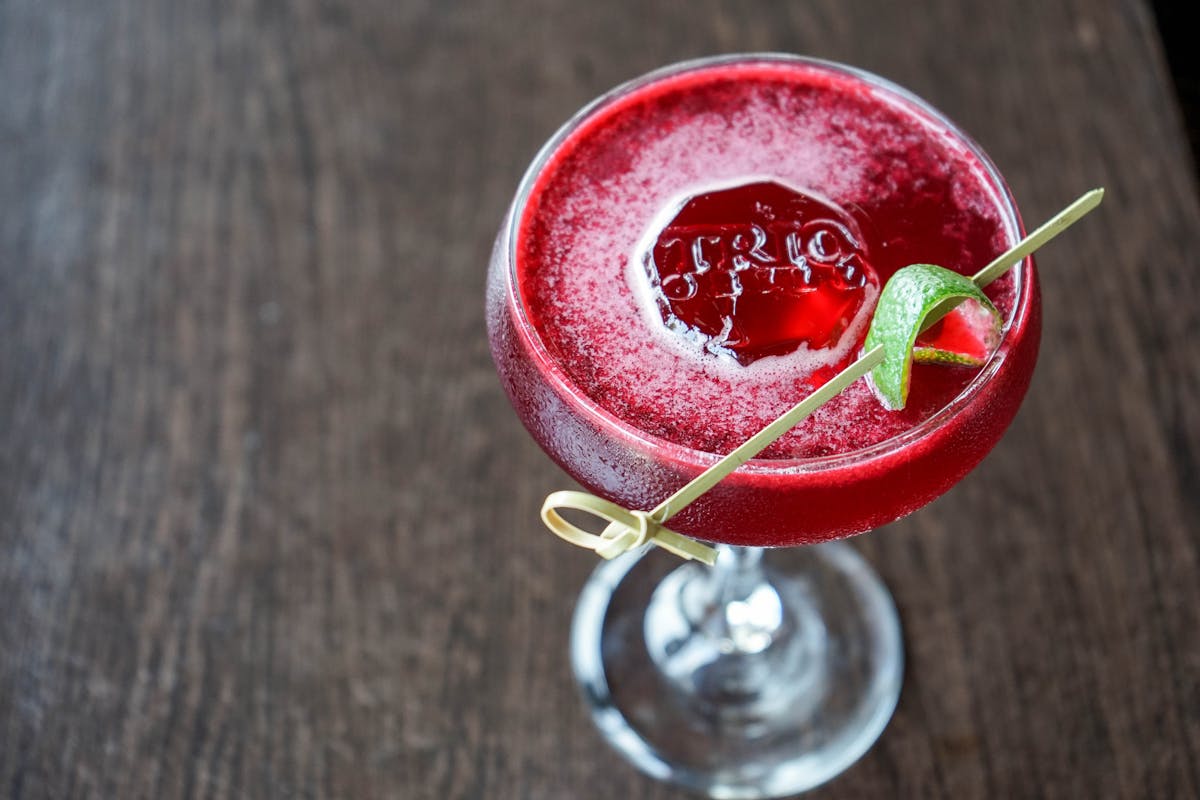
(268, 524)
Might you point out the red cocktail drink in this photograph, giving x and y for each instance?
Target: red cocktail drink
(700, 249)
(687, 258)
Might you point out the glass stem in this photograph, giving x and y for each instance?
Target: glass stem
(718, 633)
(741, 607)
(737, 573)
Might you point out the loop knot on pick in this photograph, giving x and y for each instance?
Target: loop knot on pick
(626, 530)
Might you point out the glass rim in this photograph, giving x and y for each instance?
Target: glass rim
(612, 424)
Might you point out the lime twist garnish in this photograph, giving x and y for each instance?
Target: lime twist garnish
(907, 300)
(914, 299)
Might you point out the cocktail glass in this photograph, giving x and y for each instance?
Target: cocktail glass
(775, 670)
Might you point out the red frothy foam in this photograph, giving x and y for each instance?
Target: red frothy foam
(910, 194)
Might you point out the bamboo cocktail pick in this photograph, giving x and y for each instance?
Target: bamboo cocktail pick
(627, 530)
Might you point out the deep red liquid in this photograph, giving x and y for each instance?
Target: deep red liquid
(623, 384)
(760, 270)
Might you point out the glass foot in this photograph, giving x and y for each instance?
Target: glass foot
(762, 677)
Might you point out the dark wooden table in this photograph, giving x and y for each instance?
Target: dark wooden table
(268, 524)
